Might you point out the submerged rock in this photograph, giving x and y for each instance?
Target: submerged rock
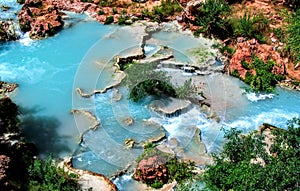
(128, 121)
(41, 18)
(129, 143)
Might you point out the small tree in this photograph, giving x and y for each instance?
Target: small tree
(234, 168)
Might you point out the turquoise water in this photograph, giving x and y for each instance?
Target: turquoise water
(45, 71)
(48, 72)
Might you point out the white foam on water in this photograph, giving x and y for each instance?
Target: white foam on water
(30, 72)
(149, 48)
(26, 40)
(276, 117)
(254, 97)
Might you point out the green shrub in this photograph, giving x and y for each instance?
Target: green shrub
(156, 184)
(245, 65)
(179, 171)
(235, 73)
(280, 34)
(165, 9)
(229, 51)
(264, 80)
(101, 12)
(109, 20)
(248, 77)
(122, 21)
(211, 18)
(44, 175)
(251, 26)
(233, 170)
(114, 11)
(293, 39)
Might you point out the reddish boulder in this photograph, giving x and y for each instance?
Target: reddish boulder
(41, 18)
(152, 169)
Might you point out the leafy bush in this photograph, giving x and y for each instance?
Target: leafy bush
(211, 18)
(234, 169)
(114, 11)
(109, 20)
(235, 73)
(263, 80)
(227, 50)
(156, 184)
(245, 65)
(100, 12)
(293, 45)
(251, 26)
(185, 90)
(179, 171)
(165, 9)
(44, 175)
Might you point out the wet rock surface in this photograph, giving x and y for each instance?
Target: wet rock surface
(7, 31)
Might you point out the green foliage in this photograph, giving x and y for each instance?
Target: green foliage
(227, 50)
(151, 151)
(8, 116)
(293, 39)
(109, 20)
(280, 34)
(235, 73)
(122, 21)
(186, 90)
(142, 80)
(44, 175)
(148, 145)
(163, 11)
(114, 11)
(263, 80)
(251, 26)
(245, 65)
(179, 171)
(211, 18)
(100, 12)
(234, 169)
(156, 184)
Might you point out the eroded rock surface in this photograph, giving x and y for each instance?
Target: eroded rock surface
(41, 18)
(151, 169)
(7, 31)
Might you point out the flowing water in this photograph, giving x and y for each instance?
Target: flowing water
(48, 72)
